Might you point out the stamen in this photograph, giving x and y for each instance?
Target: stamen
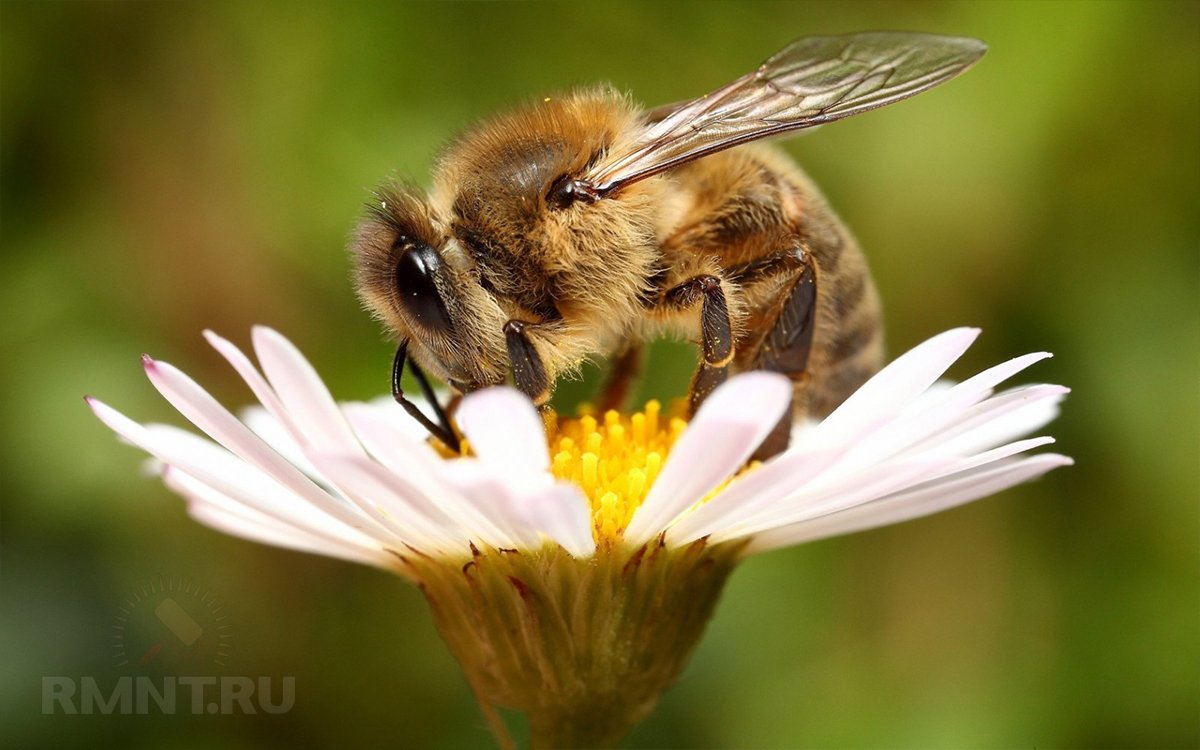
(614, 459)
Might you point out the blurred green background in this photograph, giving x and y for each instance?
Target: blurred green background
(170, 167)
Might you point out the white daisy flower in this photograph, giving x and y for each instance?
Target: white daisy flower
(572, 564)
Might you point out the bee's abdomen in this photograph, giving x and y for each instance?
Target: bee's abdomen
(758, 214)
(848, 341)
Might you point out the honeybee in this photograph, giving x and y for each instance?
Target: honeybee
(580, 225)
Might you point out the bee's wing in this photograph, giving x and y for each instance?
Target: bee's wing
(810, 82)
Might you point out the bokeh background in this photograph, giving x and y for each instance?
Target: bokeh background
(171, 167)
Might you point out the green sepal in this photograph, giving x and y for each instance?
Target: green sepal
(583, 647)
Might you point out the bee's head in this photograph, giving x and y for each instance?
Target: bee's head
(416, 279)
(509, 232)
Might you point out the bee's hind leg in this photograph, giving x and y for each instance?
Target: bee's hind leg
(785, 349)
(624, 368)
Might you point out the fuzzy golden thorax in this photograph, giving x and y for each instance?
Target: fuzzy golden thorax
(578, 274)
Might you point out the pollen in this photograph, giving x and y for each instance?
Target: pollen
(614, 459)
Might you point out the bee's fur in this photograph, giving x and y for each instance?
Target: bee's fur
(587, 277)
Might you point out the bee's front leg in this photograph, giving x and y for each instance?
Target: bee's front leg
(443, 429)
(716, 331)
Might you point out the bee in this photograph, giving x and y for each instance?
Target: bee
(580, 225)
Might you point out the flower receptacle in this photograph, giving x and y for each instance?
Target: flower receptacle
(583, 647)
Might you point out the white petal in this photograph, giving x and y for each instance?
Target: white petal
(728, 427)
(783, 475)
(228, 475)
(261, 389)
(406, 511)
(980, 386)
(944, 427)
(754, 502)
(1001, 418)
(308, 401)
(913, 503)
(561, 512)
(386, 439)
(417, 463)
(203, 410)
(896, 385)
(489, 495)
(281, 440)
(867, 486)
(929, 414)
(224, 514)
(505, 431)
(819, 498)
(993, 455)
(947, 400)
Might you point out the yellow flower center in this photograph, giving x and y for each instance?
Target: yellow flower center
(614, 460)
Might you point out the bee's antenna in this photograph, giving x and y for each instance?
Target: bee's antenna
(442, 430)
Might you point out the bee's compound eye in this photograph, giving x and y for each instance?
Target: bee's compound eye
(415, 287)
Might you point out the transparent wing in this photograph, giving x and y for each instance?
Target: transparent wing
(810, 82)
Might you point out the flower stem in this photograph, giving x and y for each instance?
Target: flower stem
(592, 729)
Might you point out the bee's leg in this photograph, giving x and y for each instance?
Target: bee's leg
(442, 429)
(441, 412)
(716, 331)
(623, 370)
(786, 346)
(529, 373)
(704, 382)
